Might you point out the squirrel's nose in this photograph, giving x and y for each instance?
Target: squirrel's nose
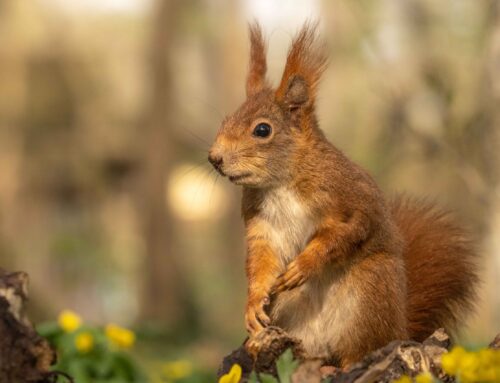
(216, 161)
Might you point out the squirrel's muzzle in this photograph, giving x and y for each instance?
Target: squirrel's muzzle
(217, 161)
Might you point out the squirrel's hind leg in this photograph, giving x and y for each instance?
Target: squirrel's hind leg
(374, 291)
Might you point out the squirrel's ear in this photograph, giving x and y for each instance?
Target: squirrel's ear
(296, 93)
(256, 79)
(306, 61)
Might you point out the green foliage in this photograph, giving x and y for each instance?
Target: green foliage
(253, 377)
(89, 355)
(285, 366)
(267, 378)
(96, 354)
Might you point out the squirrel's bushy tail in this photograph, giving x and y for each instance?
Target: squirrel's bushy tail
(441, 267)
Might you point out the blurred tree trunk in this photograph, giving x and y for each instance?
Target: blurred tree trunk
(163, 288)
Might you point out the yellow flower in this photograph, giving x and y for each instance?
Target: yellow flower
(69, 321)
(120, 336)
(488, 356)
(177, 370)
(470, 365)
(486, 371)
(450, 362)
(424, 377)
(84, 342)
(403, 379)
(489, 374)
(233, 376)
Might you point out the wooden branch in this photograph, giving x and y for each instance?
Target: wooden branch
(383, 365)
(273, 342)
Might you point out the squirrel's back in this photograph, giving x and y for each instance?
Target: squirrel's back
(441, 267)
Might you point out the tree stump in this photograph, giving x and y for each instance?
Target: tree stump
(25, 357)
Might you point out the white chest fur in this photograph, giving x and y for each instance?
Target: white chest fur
(289, 226)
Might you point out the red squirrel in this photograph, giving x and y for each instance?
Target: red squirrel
(330, 260)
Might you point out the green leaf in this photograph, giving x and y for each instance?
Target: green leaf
(126, 368)
(253, 377)
(103, 365)
(77, 369)
(267, 378)
(286, 366)
(48, 329)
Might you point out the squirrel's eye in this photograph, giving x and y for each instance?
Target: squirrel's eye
(262, 130)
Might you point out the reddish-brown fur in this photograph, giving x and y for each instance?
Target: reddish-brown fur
(441, 266)
(329, 260)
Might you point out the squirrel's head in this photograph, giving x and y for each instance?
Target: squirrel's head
(256, 145)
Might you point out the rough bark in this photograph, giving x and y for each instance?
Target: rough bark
(273, 342)
(24, 355)
(384, 365)
(495, 344)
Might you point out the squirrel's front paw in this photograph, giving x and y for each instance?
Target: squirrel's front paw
(255, 316)
(294, 276)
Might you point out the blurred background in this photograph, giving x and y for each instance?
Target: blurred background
(108, 107)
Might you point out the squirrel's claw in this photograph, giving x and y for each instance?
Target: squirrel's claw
(255, 316)
(292, 278)
(252, 346)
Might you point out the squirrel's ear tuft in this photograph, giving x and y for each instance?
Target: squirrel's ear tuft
(304, 66)
(256, 79)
